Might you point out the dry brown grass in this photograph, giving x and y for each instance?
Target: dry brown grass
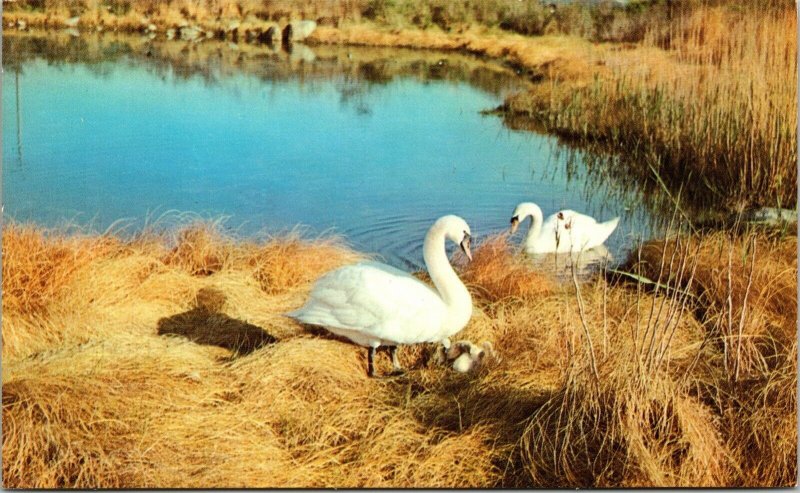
(750, 273)
(746, 286)
(568, 56)
(496, 274)
(36, 269)
(164, 360)
(711, 113)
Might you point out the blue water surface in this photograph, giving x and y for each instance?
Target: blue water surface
(94, 145)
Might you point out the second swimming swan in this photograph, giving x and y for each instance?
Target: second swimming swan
(562, 232)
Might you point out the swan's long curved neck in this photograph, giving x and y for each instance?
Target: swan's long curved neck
(451, 289)
(537, 218)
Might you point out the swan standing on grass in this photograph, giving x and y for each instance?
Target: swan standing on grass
(564, 231)
(373, 304)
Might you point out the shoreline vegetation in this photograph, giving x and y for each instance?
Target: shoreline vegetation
(161, 359)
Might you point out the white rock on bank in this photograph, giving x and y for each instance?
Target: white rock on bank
(298, 30)
(772, 215)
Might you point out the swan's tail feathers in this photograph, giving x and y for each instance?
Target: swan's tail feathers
(608, 228)
(295, 314)
(611, 224)
(309, 315)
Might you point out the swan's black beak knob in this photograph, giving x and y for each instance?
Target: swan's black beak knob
(465, 245)
(514, 224)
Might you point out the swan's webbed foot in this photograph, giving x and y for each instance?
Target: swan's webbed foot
(396, 373)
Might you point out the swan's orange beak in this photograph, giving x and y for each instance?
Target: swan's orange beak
(514, 224)
(465, 246)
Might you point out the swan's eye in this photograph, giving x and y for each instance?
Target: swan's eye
(561, 215)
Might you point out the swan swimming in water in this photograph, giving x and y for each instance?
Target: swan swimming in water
(374, 304)
(564, 231)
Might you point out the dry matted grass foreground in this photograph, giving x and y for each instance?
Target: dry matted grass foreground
(163, 361)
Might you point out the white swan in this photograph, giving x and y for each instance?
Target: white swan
(373, 304)
(564, 231)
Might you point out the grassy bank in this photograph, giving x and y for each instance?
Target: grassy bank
(163, 360)
(604, 21)
(707, 112)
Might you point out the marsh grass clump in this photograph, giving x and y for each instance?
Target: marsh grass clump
(745, 288)
(496, 274)
(289, 262)
(37, 265)
(200, 249)
(746, 285)
(615, 433)
(163, 360)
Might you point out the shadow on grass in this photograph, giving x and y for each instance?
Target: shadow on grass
(206, 324)
(455, 403)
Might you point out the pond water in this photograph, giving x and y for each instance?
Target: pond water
(371, 144)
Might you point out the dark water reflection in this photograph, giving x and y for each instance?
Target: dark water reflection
(374, 144)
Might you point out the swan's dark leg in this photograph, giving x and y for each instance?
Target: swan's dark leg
(370, 358)
(395, 361)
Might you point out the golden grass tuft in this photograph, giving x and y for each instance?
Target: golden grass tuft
(289, 262)
(618, 435)
(200, 250)
(165, 361)
(36, 268)
(754, 273)
(496, 274)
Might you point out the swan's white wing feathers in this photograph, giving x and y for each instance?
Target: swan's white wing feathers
(376, 300)
(583, 232)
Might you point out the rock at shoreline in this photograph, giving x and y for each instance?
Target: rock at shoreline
(298, 30)
(190, 33)
(772, 215)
